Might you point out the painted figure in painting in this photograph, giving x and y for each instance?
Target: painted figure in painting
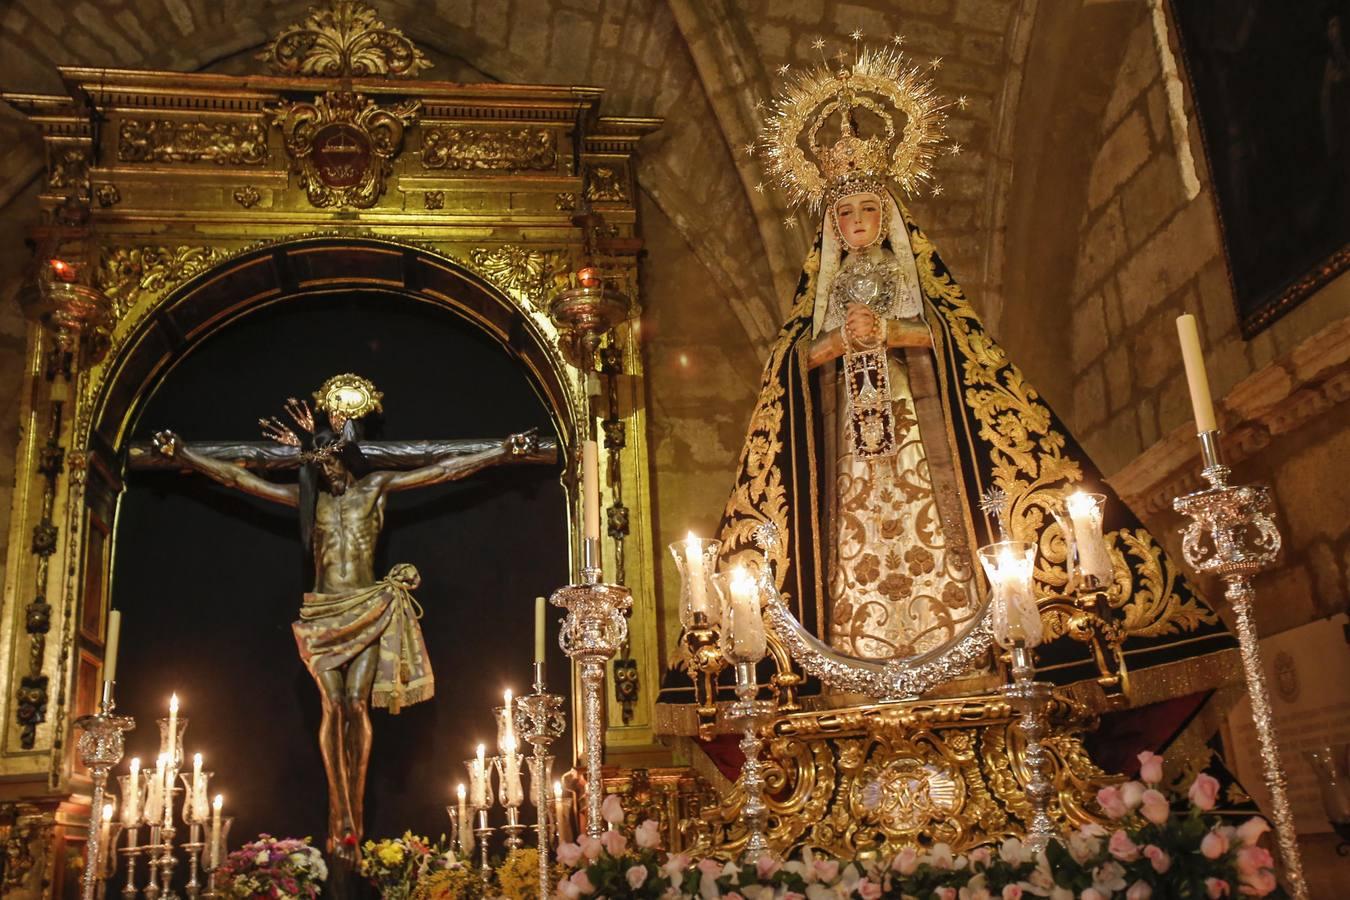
(357, 633)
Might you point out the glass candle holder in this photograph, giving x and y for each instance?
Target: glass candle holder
(1087, 559)
(1015, 619)
(696, 560)
(196, 802)
(1333, 781)
(742, 619)
(132, 793)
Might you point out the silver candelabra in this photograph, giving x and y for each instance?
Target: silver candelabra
(541, 720)
(1232, 535)
(750, 714)
(100, 747)
(593, 630)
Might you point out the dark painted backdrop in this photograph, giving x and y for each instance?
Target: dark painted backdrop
(209, 581)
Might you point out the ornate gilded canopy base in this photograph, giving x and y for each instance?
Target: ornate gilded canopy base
(878, 777)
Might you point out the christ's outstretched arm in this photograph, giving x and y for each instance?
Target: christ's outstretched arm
(453, 468)
(232, 476)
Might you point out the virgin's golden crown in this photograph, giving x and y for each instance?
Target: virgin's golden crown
(881, 84)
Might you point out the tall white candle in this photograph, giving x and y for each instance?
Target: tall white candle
(216, 805)
(560, 817)
(696, 573)
(508, 741)
(1086, 515)
(154, 795)
(131, 803)
(515, 794)
(110, 648)
(540, 629)
(465, 823)
(590, 488)
(1196, 378)
(169, 770)
(105, 833)
(478, 784)
(172, 749)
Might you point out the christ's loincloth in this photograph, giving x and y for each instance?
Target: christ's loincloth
(335, 628)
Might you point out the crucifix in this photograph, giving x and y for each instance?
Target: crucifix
(357, 633)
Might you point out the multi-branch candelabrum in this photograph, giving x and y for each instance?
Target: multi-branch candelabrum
(100, 747)
(592, 631)
(1232, 535)
(540, 720)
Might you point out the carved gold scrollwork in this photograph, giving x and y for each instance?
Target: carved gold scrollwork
(69, 169)
(522, 271)
(124, 273)
(176, 141)
(607, 184)
(489, 149)
(344, 37)
(342, 145)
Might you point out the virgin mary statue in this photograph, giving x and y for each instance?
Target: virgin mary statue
(888, 418)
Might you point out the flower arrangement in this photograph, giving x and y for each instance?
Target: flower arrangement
(451, 881)
(1151, 852)
(394, 865)
(276, 868)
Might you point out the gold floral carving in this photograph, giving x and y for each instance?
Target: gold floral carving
(342, 145)
(107, 195)
(126, 273)
(520, 270)
(489, 149)
(247, 196)
(341, 38)
(878, 777)
(607, 184)
(69, 169)
(176, 141)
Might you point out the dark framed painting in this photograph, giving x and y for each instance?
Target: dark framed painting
(1271, 82)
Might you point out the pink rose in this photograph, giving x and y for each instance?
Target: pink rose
(590, 847)
(1253, 859)
(568, 891)
(637, 876)
(614, 842)
(1012, 892)
(1092, 894)
(1121, 847)
(1112, 803)
(674, 867)
(977, 894)
(981, 856)
(1132, 792)
(868, 889)
(906, 861)
(1158, 857)
(648, 834)
(1213, 845)
(1216, 888)
(710, 867)
(1154, 807)
(612, 810)
(1259, 883)
(793, 895)
(582, 882)
(569, 854)
(732, 896)
(766, 866)
(1250, 831)
(946, 893)
(1204, 791)
(1150, 767)
(1139, 891)
(827, 869)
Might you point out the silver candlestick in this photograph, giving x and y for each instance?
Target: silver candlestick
(1232, 535)
(481, 804)
(750, 715)
(541, 721)
(100, 747)
(1029, 698)
(593, 630)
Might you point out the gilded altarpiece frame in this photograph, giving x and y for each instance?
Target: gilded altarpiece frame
(211, 195)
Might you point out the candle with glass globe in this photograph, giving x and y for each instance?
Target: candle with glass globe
(216, 806)
(131, 803)
(1085, 512)
(478, 779)
(172, 748)
(154, 795)
(1015, 619)
(465, 823)
(697, 575)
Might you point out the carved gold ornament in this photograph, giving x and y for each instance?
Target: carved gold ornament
(489, 149)
(124, 273)
(176, 141)
(520, 270)
(247, 196)
(342, 38)
(69, 169)
(342, 145)
(897, 104)
(346, 397)
(607, 184)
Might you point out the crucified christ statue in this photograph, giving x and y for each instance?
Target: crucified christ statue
(358, 634)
